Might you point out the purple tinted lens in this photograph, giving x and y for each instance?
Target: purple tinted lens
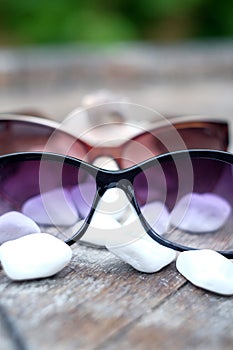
(46, 192)
(198, 213)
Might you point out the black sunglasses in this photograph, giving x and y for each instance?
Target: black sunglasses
(58, 192)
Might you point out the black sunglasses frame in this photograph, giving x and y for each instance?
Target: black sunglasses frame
(123, 179)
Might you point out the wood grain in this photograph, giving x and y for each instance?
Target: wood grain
(98, 302)
(190, 319)
(86, 304)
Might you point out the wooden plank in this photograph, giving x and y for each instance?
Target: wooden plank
(90, 301)
(5, 339)
(10, 337)
(189, 319)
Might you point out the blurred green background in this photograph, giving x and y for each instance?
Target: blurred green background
(24, 22)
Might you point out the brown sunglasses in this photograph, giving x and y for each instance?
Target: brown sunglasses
(19, 133)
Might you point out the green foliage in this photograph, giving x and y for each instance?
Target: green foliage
(44, 21)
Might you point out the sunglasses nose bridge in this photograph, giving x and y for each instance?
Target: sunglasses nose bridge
(116, 197)
(125, 184)
(108, 180)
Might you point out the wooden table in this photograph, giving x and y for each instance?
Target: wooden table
(99, 302)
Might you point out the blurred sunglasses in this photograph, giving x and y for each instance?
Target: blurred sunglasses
(26, 133)
(59, 193)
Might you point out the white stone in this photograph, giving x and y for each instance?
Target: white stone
(207, 269)
(155, 213)
(112, 208)
(104, 221)
(143, 254)
(105, 230)
(102, 229)
(200, 212)
(14, 225)
(34, 256)
(55, 207)
(115, 203)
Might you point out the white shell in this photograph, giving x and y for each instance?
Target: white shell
(207, 269)
(34, 256)
(14, 225)
(200, 212)
(52, 208)
(144, 254)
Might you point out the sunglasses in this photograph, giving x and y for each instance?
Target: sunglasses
(25, 133)
(61, 194)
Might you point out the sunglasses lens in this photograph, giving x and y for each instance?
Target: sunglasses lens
(190, 205)
(25, 136)
(56, 195)
(169, 139)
